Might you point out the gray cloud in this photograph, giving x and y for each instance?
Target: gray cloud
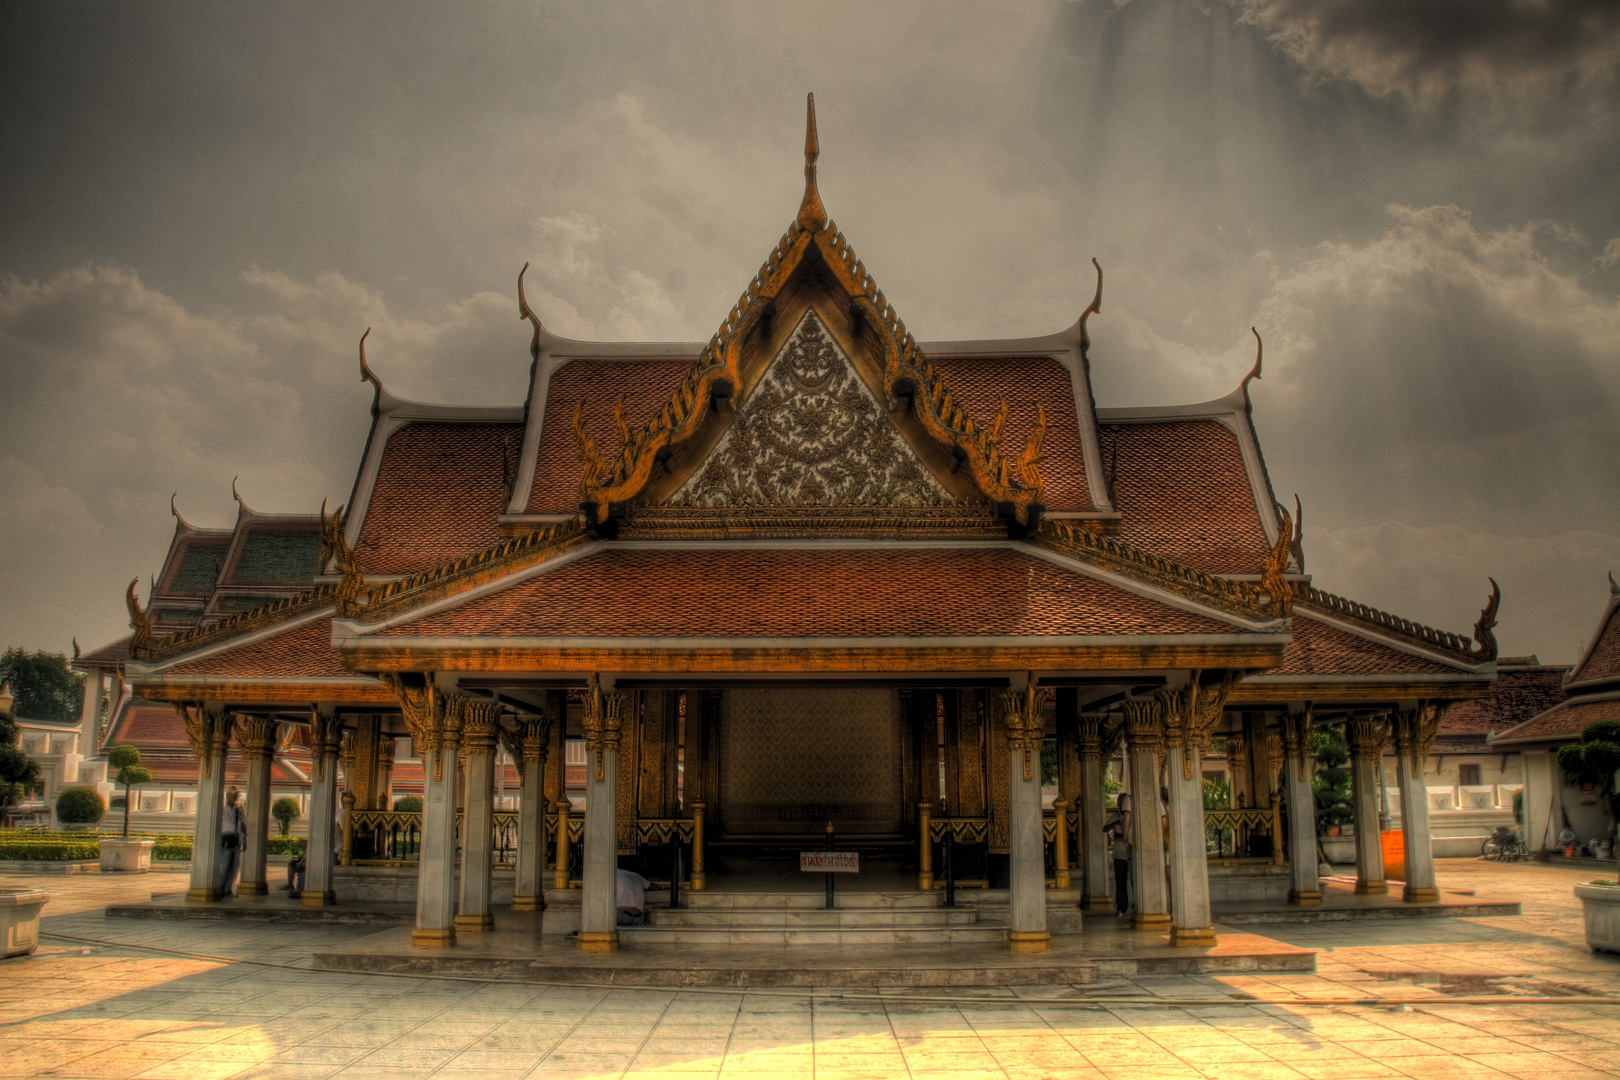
(1425, 47)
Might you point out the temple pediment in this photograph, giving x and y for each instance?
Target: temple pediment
(811, 434)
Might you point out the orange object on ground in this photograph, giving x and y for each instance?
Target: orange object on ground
(1394, 845)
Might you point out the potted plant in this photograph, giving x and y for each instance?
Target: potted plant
(1600, 902)
(125, 854)
(286, 811)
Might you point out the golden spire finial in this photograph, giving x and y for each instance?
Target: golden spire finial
(812, 215)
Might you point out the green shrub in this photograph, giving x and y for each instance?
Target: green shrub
(80, 806)
(48, 850)
(286, 811)
(286, 845)
(117, 802)
(1331, 785)
(171, 849)
(409, 804)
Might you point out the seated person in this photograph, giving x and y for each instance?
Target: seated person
(632, 898)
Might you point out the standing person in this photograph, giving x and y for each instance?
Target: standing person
(1119, 826)
(232, 832)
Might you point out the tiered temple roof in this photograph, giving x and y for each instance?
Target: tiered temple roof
(1590, 690)
(811, 489)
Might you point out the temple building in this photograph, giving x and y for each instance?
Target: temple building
(810, 582)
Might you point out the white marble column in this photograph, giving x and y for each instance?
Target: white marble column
(1305, 888)
(1144, 735)
(1190, 924)
(1026, 843)
(90, 714)
(435, 722)
(318, 852)
(1366, 737)
(527, 745)
(1093, 801)
(257, 738)
(209, 732)
(479, 724)
(599, 909)
(1415, 730)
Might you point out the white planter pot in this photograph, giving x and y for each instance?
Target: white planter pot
(1602, 906)
(134, 856)
(19, 920)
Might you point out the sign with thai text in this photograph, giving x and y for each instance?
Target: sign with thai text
(830, 862)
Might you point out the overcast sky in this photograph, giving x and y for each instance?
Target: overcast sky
(203, 205)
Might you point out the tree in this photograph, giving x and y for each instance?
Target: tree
(286, 811)
(1331, 784)
(1594, 760)
(408, 804)
(131, 773)
(79, 806)
(46, 688)
(18, 772)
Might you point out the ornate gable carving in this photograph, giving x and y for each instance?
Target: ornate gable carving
(811, 434)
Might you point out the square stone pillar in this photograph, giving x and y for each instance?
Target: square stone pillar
(1093, 800)
(1305, 887)
(1189, 867)
(1026, 841)
(599, 908)
(1415, 730)
(1144, 735)
(257, 738)
(1366, 736)
(318, 852)
(480, 720)
(209, 732)
(384, 787)
(528, 745)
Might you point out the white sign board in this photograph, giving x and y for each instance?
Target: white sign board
(830, 862)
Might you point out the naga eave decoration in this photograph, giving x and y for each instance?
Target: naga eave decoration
(909, 378)
(1268, 600)
(1483, 648)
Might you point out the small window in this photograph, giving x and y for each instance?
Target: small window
(1468, 775)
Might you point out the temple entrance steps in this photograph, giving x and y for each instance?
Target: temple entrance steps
(799, 918)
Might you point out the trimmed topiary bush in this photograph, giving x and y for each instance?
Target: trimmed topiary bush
(286, 811)
(409, 804)
(80, 806)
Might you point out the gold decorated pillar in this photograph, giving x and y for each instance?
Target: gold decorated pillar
(480, 720)
(1306, 886)
(1191, 716)
(327, 729)
(384, 788)
(209, 732)
(1415, 731)
(528, 744)
(599, 910)
(1366, 736)
(434, 719)
(257, 738)
(1145, 743)
(1023, 716)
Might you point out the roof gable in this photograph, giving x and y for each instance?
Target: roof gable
(1601, 660)
(811, 433)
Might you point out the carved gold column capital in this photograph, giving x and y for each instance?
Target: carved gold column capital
(480, 722)
(1415, 731)
(1089, 736)
(346, 754)
(326, 732)
(257, 736)
(1296, 735)
(1144, 724)
(1366, 734)
(208, 731)
(1024, 713)
(604, 721)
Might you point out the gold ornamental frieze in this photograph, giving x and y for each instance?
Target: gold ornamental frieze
(1482, 649)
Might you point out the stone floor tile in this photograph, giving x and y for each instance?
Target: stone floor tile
(1450, 1068)
(1532, 1065)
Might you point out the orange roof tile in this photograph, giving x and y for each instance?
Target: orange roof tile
(1320, 649)
(149, 724)
(1184, 494)
(304, 651)
(439, 493)
(1603, 662)
(808, 592)
(646, 387)
(1565, 721)
(979, 385)
(1515, 696)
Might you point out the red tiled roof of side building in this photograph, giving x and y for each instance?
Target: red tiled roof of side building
(980, 385)
(439, 493)
(798, 593)
(1564, 721)
(107, 655)
(1184, 494)
(1603, 662)
(1517, 694)
(300, 652)
(150, 724)
(645, 386)
(1320, 649)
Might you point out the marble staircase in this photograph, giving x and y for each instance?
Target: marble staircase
(801, 918)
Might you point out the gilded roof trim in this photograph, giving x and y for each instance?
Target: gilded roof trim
(1457, 648)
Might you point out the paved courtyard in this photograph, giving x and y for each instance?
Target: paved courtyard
(203, 1001)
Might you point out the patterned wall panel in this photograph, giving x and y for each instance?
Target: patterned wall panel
(792, 759)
